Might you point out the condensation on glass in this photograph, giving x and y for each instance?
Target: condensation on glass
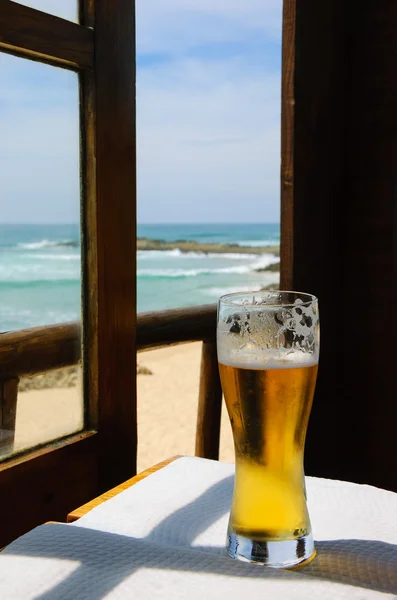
(66, 9)
(40, 258)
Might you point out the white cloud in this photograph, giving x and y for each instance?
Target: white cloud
(208, 143)
(39, 153)
(173, 25)
(159, 20)
(39, 173)
(208, 130)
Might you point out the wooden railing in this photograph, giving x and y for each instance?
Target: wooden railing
(40, 349)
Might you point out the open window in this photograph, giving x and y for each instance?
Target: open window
(93, 58)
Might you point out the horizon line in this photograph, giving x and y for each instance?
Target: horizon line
(156, 223)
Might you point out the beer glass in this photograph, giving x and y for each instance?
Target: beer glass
(268, 348)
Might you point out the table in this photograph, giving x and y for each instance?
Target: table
(162, 536)
(85, 508)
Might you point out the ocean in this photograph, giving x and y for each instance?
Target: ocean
(40, 269)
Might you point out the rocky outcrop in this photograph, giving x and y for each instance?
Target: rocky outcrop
(187, 246)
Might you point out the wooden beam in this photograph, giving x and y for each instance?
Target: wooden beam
(163, 328)
(46, 484)
(33, 34)
(8, 413)
(113, 240)
(39, 349)
(314, 140)
(287, 145)
(210, 404)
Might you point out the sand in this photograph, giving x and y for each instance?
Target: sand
(167, 407)
(46, 414)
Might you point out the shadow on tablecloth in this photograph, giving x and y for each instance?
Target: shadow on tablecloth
(106, 559)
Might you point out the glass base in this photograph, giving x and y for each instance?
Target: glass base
(281, 554)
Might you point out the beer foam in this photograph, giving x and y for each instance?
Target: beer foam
(256, 333)
(266, 359)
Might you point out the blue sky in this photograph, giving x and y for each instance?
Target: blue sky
(208, 114)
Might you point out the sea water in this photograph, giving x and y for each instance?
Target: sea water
(40, 269)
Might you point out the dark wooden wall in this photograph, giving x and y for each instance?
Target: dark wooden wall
(339, 217)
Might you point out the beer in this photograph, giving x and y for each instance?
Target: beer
(268, 348)
(269, 409)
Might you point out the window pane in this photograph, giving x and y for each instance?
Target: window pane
(67, 9)
(49, 406)
(40, 259)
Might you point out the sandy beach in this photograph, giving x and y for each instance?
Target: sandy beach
(171, 271)
(167, 407)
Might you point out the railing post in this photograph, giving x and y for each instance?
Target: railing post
(210, 404)
(8, 412)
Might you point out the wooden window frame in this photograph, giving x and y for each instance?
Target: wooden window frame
(46, 483)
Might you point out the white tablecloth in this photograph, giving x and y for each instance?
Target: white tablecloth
(164, 538)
